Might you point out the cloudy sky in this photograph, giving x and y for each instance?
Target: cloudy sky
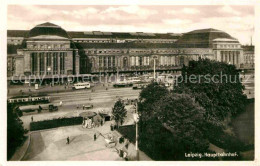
(238, 21)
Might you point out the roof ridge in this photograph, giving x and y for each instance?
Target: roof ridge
(47, 24)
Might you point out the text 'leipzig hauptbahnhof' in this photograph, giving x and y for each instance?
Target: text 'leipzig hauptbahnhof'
(48, 50)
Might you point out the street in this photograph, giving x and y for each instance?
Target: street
(101, 99)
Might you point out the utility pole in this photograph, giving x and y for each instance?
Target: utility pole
(136, 118)
(137, 150)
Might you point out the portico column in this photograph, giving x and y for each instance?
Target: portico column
(51, 63)
(45, 63)
(226, 56)
(38, 63)
(234, 57)
(107, 61)
(231, 57)
(238, 60)
(31, 58)
(58, 64)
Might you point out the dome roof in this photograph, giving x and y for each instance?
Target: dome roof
(48, 29)
(202, 38)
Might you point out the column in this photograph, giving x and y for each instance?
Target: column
(225, 56)
(31, 58)
(107, 61)
(58, 64)
(238, 58)
(45, 63)
(51, 63)
(233, 55)
(101, 59)
(136, 60)
(235, 58)
(229, 57)
(38, 63)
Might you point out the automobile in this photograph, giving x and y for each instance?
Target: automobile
(140, 85)
(109, 143)
(122, 84)
(53, 108)
(89, 106)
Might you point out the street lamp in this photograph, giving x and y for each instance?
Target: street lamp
(154, 61)
(136, 119)
(49, 71)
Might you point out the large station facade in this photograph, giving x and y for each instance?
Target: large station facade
(48, 50)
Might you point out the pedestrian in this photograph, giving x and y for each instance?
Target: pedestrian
(68, 140)
(111, 127)
(60, 103)
(83, 107)
(95, 137)
(77, 106)
(126, 143)
(32, 118)
(101, 122)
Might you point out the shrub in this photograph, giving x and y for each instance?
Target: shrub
(53, 123)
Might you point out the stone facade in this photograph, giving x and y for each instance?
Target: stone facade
(48, 50)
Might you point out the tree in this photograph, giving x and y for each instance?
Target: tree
(15, 130)
(216, 86)
(148, 97)
(174, 129)
(119, 112)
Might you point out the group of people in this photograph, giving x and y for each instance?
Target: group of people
(112, 127)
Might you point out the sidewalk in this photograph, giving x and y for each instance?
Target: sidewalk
(105, 130)
(131, 150)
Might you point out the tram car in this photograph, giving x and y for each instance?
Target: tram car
(29, 99)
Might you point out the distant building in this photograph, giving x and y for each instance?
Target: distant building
(48, 50)
(249, 56)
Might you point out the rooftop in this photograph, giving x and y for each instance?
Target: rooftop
(47, 29)
(202, 38)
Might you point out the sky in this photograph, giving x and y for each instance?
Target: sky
(237, 20)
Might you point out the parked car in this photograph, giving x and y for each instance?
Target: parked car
(53, 108)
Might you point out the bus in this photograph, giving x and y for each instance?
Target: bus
(135, 79)
(81, 85)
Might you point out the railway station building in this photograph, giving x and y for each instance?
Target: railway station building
(48, 50)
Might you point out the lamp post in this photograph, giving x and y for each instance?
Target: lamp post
(49, 70)
(136, 119)
(154, 61)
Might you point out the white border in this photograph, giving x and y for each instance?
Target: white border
(3, 90)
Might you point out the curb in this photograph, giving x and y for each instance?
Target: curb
(26, 148)
(24, 152)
